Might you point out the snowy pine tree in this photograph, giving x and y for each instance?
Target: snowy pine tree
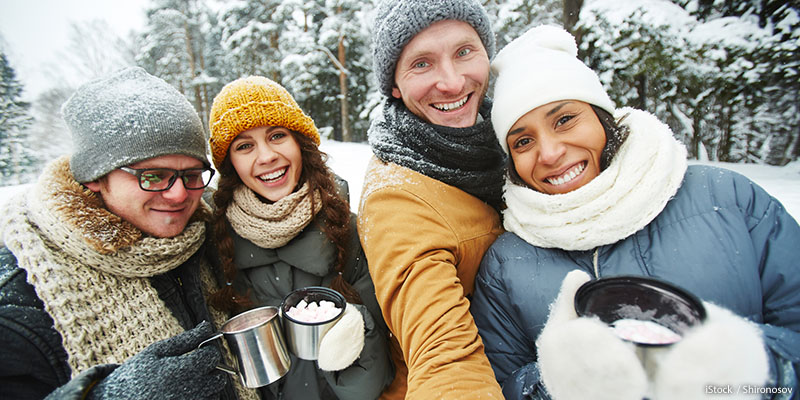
(49, 130)
(342, 37)
(17, 161)
(512, 18)
(317, 49)
(251, 31)
(722, 73)
(718, 72)
(174, 47)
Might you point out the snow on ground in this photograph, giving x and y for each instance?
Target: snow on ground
(782, 183)
(349, 161)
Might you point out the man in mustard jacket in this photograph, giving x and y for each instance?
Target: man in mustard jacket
(429, 205)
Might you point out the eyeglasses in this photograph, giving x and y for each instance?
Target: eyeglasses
(161, 179)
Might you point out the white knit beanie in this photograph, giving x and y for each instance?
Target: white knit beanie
(537, 68)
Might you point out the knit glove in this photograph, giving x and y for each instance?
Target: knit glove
(581, 358)
(726, 351)
(167, 369)
(342, 344)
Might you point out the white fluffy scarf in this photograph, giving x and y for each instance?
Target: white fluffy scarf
(90, 269)
(644, 175)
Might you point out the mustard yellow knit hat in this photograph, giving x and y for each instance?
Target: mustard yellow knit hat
(252, 102)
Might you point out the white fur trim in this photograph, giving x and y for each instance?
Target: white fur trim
(726, 351)
(581, 358)
(342, 344)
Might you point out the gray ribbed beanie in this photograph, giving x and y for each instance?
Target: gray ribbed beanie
(398, 21)
(127, 117)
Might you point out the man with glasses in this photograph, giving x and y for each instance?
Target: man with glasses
(104, 269)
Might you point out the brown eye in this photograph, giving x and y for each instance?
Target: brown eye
(522, 142)
(563, 120)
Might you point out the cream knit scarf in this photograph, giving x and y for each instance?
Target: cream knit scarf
(89, 267)
(644, 175)
(271, 225)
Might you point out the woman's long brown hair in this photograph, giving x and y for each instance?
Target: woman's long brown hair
(335, 223)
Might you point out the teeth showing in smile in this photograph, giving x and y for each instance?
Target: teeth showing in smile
(568, 176)
(451, 106)
(273, 176)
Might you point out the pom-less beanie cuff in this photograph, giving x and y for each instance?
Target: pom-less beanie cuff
(398, 21)
(538, 68)
(253, 102)
(127, 117)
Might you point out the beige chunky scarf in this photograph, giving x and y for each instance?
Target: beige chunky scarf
(644, 175)
(271, 225)
(89, 267)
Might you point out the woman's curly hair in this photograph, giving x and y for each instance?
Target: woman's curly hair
(334, 215)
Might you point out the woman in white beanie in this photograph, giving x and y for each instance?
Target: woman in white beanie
(593, 191)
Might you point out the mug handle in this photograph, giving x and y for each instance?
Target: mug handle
(221, 367)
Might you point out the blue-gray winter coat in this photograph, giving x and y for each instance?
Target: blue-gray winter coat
(721, 237)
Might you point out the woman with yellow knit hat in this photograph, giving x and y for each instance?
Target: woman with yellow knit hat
(282, 223)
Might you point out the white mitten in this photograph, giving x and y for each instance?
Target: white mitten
(582, 358)
(342, 344)
(726, 351)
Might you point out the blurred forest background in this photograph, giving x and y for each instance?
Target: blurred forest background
(724, 74)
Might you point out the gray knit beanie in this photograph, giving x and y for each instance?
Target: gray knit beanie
(398, 21)
(127, 117)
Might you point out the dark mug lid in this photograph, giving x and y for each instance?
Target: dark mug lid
(640, 298)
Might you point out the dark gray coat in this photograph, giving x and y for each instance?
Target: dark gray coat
(308, 260)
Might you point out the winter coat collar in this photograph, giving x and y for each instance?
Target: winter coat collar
(309, 251)
(645, 174)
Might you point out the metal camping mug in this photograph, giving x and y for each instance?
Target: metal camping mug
(304, 337)
(256, 341)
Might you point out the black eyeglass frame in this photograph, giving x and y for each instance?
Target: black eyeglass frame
(176, 173)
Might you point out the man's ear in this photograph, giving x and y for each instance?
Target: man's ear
(396, 93)
(93, 186)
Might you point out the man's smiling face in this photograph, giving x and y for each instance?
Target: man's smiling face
(443, 73)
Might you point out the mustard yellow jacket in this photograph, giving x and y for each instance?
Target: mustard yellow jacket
(424, 241)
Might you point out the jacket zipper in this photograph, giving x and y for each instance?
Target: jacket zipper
(595, 264)
(185, 302)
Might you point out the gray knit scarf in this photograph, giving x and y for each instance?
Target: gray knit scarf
(467, 158)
